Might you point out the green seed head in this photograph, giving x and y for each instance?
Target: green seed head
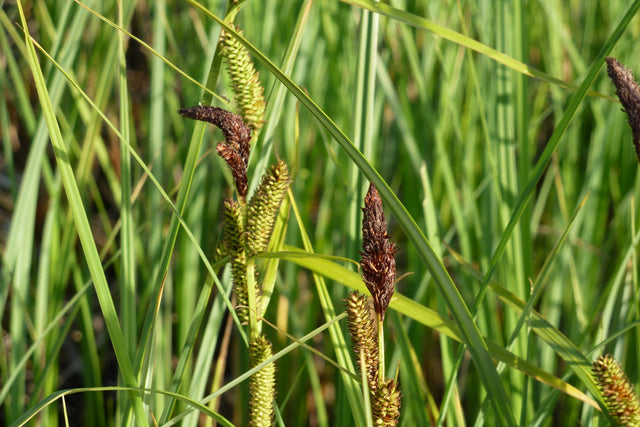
(363, 333)
(261, 384)
(386, 404)
(263, 207)
(617, 391)
(245, 82)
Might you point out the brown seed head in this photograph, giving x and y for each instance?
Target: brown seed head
(378, 262)
(629, 93)
(235, 148)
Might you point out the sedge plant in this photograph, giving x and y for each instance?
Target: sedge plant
(378, 266)
(510, 175)
(247, 224)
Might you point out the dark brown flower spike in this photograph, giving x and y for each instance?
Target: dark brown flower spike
(629, 93)
(378, 261)
(235, 148)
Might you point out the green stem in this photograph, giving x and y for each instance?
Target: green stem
(252, 299)
(380, 350)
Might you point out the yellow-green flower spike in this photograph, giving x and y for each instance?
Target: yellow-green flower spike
(245, 82)
(364, 337)
(621, 401)
(233, 227)
(239, 278)
(235, 246)
(263, 207)
(261, 384)
(385, 404)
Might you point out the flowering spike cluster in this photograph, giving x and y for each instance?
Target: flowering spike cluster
(363, 334)
(385, 404)
(378, 262)
(234, 244)
(263, 207)
(233, 226)
(261, 384)
(621, 401)
(245, 82)
(628, 92)
(240, 290)
(235, 148)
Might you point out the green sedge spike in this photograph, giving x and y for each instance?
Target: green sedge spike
(239, 278)
(235, 246)
(261, 384)
(385, 404)
(245, 82)
(263, 207)
(233, 227)
(621, 401)
(363, 334)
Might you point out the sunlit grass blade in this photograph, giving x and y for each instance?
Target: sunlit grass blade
(19, 249)
(84, 230)
(321, 265)
(247, 374)
(275, 100)
(545, 157)
(128, 292)
(337, 337)
(448, 34)
(53, 324)
(174, 207)
(364, 120)
(33, 412)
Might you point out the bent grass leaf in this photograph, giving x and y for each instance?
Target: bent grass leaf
(325, 266)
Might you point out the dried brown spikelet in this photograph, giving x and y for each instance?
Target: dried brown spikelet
(261, 384)
(263, 207)
(618, 394)
(245, 81)
(378, 261)
(235, 148)
(628, 92)
(363, 333)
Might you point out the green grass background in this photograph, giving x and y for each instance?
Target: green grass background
(490, 128)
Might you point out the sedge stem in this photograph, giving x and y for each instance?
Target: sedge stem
(381, 374)
(252, 299)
